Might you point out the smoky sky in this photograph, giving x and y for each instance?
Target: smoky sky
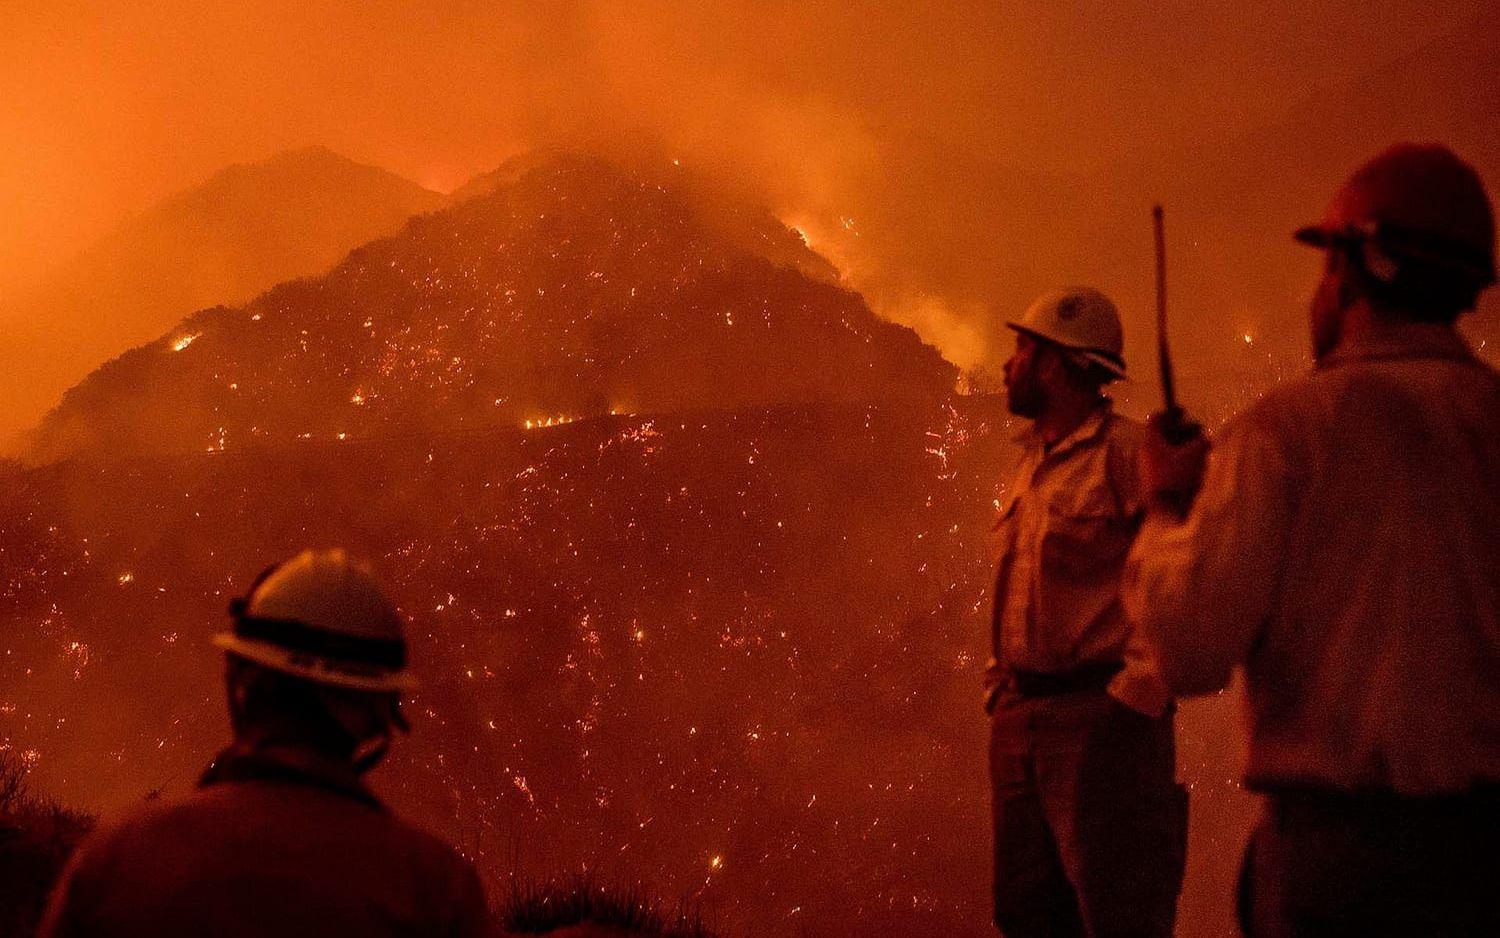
(899, 136)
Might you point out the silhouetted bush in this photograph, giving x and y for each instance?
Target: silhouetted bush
(36, 837)
(535, 908)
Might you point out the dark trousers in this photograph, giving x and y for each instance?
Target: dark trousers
(1090, 823)
(1330, 865)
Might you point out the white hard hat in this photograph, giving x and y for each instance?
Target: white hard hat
(321, 616)
(1081, 319)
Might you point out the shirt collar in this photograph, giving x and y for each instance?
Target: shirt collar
(1403, 340)
(1085, 432)
(294, 765)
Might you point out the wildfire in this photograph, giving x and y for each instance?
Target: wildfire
(709, 617)
(79, 653)
(185, 340)
(543, 422)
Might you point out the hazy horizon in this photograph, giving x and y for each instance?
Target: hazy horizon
(829, 111)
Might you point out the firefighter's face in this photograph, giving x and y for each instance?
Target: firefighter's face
(1025, 378)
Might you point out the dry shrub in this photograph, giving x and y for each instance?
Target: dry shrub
(36, 837)
(566, 903)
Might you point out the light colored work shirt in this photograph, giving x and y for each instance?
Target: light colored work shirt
(1345, 548)
(1066, 525)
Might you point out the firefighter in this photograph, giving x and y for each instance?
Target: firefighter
(282, 837)
(1344, 550)
(1089, 822)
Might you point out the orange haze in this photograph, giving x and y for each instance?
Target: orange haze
(966, 144)
(953, 160)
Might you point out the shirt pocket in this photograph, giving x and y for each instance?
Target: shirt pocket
(1084, 540)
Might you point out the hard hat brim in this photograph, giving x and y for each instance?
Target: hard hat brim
(1409, 245)
(315, 669)
(1313, 236)
(1320, 236)
(1103, 361)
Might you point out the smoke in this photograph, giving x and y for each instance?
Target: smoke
(954, 158)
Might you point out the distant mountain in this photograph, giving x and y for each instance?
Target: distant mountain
(247, 228)
(577, 289)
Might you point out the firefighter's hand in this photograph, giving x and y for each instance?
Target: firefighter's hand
(1172, 461)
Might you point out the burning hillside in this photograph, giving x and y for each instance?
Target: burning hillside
(576, 289)
(726, 641)
(734, 655)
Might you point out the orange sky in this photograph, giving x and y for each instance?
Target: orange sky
(906, 120)
(109, 106)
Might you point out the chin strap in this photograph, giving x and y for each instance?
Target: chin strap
(370, 752)
(1377, 263)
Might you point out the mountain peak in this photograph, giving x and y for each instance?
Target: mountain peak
(247, 227)
(315, 165)
(576, 289)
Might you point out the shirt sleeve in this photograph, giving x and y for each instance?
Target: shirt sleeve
(1200, 590)
(1139, 684)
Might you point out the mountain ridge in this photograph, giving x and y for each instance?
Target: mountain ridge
(578, 289)
(248, 226)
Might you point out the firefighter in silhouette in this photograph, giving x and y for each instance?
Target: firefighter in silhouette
(1089, 820)
(1344, 549)
(282, 837)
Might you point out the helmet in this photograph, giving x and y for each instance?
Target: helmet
(1081, 319)
(321, 616)
(1413, 203)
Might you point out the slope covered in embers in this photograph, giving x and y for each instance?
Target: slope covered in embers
(731, 655)
(577, 289)
(735, 656)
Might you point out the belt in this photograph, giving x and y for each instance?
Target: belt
(1052, 683)
(1305, 800)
